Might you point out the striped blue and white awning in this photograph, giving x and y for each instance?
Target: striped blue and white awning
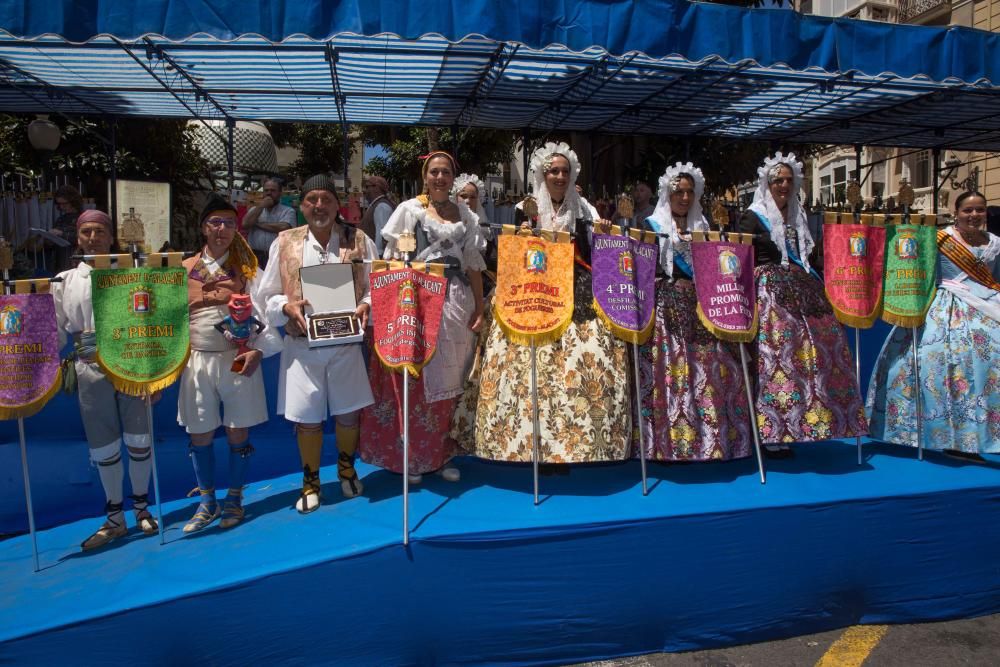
(662, 67)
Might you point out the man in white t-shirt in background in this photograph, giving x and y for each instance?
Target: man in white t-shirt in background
(264, 221)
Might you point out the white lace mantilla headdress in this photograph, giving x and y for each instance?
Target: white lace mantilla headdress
(460, 182)
(465, 179)
(764, 205)
(663, 216)
(572, 208)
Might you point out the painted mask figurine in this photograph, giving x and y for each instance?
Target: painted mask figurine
(239, 326)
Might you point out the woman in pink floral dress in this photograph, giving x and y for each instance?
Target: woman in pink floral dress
(807, 389)
(693, 405)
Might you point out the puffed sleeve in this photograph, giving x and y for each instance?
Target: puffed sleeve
(473, 244)
(403, 219)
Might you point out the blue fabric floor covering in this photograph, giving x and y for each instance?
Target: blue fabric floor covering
(709, 558)
(66, 487)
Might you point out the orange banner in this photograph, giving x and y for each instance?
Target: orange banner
(534, 295)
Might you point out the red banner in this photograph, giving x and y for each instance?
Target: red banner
(854, 262)
(406, 314)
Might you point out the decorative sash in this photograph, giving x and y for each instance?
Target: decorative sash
(534, 294)
(624, 282)
(29, 350)
(406, 313)
(965, 260)
(854, 256)
(725, 286)
(910, 267)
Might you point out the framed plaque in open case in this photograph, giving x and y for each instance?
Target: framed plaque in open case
(330, 320)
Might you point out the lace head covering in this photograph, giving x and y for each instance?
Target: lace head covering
(465, 179)
(765, 206)
(662, 218)
(572, 206)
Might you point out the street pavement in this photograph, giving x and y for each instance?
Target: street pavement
(966, 642)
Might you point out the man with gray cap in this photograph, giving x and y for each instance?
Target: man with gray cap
(108, 416)
(332, 378)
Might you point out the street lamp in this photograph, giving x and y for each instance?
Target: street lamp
(44, 136)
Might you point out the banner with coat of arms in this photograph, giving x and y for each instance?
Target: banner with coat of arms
(534, 294)
(141, 324)
(624, 283)
(910, 272)
(854, 261)
(29, 354)
(406, 314)
(725, 287)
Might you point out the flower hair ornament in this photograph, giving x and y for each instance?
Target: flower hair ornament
(471, 179)
(662, 218)
(765, 206)
(571, 209)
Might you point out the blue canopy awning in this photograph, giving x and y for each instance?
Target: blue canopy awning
(650, 66)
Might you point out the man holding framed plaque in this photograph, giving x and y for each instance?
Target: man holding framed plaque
(323, 373)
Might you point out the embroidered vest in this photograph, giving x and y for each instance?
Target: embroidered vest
(352, 246)
(206, 291)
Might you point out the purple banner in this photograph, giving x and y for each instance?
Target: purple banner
(724, 283)
(29, 354)
(624, 275)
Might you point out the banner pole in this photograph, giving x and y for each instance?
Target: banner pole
(916, 395)
(534, 416)
(27, 493)
(24, 458)
(753, 413)
(406, 457)
(638, 415)
(857, 374)
(156, 477)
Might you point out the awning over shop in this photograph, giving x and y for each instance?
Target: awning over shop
(651, 66)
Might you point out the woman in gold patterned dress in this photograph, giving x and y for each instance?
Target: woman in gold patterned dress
(583, 398)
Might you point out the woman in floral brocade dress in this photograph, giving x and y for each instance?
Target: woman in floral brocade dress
(694, 405)
(958, 350)
(583, 398)
(807, 389)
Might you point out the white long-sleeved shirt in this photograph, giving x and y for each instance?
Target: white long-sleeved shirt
(270, 290)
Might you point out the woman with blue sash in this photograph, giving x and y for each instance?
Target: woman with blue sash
(807, 389)
(958, 348)
(693, 403)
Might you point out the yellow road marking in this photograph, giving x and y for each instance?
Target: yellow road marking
(854, 646)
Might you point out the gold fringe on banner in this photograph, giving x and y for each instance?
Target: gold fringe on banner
(380, 265)
(909, 321)
(725, 334)
(134, 388)
(865, 219)
(36, 286)
(29, 409)
(857, 321)
(555, 237)
(522, 338)
(635, 337)
(831, 217)
(412, 369)
(509, 229)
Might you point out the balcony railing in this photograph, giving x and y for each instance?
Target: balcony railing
(909, 9)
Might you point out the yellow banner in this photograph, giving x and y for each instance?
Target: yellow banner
(534, 295)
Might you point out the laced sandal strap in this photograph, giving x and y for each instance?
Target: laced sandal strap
(198, 490)
(345, 467)
(310, 481)
(244, 450)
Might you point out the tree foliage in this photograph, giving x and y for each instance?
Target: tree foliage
(321, 147)
(479, 151)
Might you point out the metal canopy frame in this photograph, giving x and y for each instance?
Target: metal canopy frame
(477, 82)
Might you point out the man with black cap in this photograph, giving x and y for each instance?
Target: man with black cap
(108, 416)
(334, 377)
(217, 371)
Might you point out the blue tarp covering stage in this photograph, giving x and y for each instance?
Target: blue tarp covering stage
(709, 558)
(646, 67)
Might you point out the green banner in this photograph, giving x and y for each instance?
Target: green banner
(141, 322)
(910, 266)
